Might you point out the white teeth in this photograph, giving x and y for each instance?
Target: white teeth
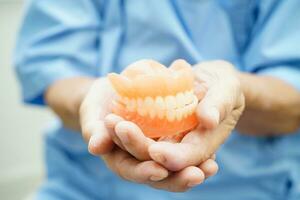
(170, 102)
(140, 107)
(148, 103)
(193, 105)
(160, 107)
(131, 106)
(190, 96)
(179, 114)
(171, 107)
(171, 115)
(187, 97)
(149, 106)
(180, 100)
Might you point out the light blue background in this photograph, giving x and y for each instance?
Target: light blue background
(68, 38)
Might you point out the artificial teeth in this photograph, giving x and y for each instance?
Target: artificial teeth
(159, 107)
(170, 107)
(140, 107)
(170, 102)
(171, 114)
(149, 103)
(180, 100)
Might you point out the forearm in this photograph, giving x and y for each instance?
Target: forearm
(272, 106)
(65, 96)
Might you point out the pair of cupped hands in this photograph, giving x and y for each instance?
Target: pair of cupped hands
(168, 164)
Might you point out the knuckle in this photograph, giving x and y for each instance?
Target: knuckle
(111, 164)
(140, 176)
(118, 163)
(118, 171)
(119, 126)
(123, 162)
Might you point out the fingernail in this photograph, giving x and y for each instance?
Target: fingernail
(199, 90)
(95, 140)
(213, 115)
(192, 184)
(123, 136)
(156, 178)
(94, 144)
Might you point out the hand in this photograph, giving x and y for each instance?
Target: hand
(218, 113)
(92, 111)
(133, 162)
(82, 103)
(94, 107)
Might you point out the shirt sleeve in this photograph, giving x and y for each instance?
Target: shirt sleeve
(274, 44)
(58, 39)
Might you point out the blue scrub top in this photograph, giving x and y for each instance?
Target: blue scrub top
(67, 38)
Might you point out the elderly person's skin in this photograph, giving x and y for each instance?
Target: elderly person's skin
(268, 100)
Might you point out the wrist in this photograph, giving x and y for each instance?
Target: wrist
(249, 84)
(84, 85)
(64, 97)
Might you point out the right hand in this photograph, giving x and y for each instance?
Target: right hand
(93, 109)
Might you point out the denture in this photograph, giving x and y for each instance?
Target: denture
(160, 100)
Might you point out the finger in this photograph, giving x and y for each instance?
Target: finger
(172, 139)
(218, 104)
(223, 91)
(177, 156)
(209, 110)
(181, 181)
(199, 90)
(169, 139)
(196, 147)
(99, 141)
(131, 169)
(94, 105)
(133, 139)
(209, 167)
(110, 121)
(92, 110)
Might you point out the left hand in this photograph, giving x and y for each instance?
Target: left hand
(133, 147)
(218, 112)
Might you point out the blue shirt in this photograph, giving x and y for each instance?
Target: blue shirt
(60, 39)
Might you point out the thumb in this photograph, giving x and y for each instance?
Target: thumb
(213, 107)
(92, 111)
(98, 138)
